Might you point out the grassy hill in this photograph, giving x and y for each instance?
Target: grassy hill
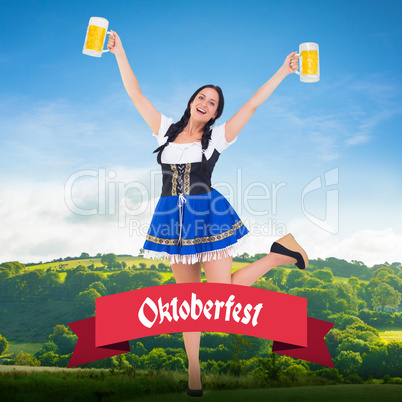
(55, 384)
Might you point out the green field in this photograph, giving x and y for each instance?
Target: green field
(97, 262)
(27, 384)
(15, 347)
(130, 261)
(391, 334)
(355, 393)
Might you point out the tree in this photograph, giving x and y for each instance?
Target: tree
(64, 339)
(99, 287)
(385, 295)
(348, 362)
(49, 359)
(162, 266)
(296, 278)
(47, 347)
(52, 283)
(139, 349)
(277, 276)
(341, 306)
(80, 281)
(270, 367)
(3, 344)
(121, 282)
(262, 283)
(155, 359)
(295, 371)
(324, 275)
(85, 302)
(355, 345)
(33, 283)
(383, 269)
(25, 359)
(175, 363)
(394, 281)
(318, 299)
(240, 346)
(109, 260)
(313, 283)
(14, 267)
(344, 320)
(145, 279)
(382, 275)
(374, 362)
(394, 358)
(84, 255)
(169, 281)
(121, 363)
(354, 283)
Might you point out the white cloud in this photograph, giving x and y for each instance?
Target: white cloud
(38, 225)
(367, 245)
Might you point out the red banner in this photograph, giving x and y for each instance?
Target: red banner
(206, 307)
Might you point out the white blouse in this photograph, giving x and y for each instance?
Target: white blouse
(190, 152)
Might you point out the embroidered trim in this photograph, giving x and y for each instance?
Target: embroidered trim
(228, 251)
(197, 240)
(187, 179)
(174, 179)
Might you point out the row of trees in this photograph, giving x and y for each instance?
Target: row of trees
(358, 354)
(356, 348)
(318, 286)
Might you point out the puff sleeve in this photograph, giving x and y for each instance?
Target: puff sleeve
(218, 139)
(165, 124)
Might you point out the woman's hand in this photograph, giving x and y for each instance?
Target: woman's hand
(114, 44)
(291, 64)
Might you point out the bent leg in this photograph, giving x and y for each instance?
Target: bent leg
(190, 273)
(251, 273)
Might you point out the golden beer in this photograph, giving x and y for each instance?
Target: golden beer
(310, 62)
(96, 37)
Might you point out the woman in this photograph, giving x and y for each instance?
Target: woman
(194, 223)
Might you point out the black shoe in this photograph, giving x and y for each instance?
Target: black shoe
(195, 392)
(287, 245)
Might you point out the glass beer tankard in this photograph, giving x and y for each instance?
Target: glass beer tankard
(95, 37)
(309, 62)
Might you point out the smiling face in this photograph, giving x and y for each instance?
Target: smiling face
(205, 105)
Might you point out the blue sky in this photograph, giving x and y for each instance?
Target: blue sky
(71, 138)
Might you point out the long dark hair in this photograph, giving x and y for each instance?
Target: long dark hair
(176, 128)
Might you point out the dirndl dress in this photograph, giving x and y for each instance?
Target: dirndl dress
(192, 221)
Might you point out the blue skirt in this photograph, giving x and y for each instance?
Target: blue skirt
(192, 228)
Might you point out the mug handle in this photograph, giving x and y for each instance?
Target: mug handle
(106, 50)
(300, 66)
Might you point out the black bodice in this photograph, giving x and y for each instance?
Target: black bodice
(187, 178)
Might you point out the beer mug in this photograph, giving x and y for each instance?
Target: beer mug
(95, 38)
(309, 62)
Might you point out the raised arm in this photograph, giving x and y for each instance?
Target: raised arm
(243, 115)
(143, 105)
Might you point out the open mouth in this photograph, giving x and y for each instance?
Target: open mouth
(202, 111)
